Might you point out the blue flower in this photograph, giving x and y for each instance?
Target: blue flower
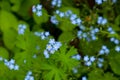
(61, 14)
(100, 65)
(56, 3)
(21, 28)
(1, 58)
(92, 58)
(46, 54)
(116, 41)
(117, 48)
(43, 35)
(86, 58)
(101, 20)
(11, 64)
(84, 78)
(110, 30)
(39, 13)
(54, 20)
(88, 63)
(100, 62)
(75, 70)
(51, 47)
(37, 10)
(114, 1)
(29, 76)
(98, 1)
(77, 57)
(104, 50)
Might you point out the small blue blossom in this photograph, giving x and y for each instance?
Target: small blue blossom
(43, 35)
(117, 48)
(11, 64)
(75, 70)
(114, 1)
(92, 58)
(46, 54)
(88, 63)
(21, 28)
(56, 3)
(86, 58)
(77, 57)
(54, 20)
(100, 62)
(68, 13)
(89, 60)
(16, 67)
(1, 59)
(29, 76)
(104, 50)
(98, 1)
(34, 56)
(84, 78)
(57, 11)
(101, 20)
(24, 61)
(114, 40)
(51, 47)
(61, 14)
(37, 10)
(100, 65)
(110, 30)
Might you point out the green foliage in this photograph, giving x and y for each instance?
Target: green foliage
(81, 42)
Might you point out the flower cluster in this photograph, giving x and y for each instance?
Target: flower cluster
(100, 62)
(104, 50)
(90, 35)
(56, 3)
(101, 20)
(77, 57)
(84, 78)
(43, 35)
(110, 30)
(72, 17)
(101, 1)
(51, 47)
(114, 40)
(89, 60)
(54, 20)
(37, 9)
(29, 76)
(21, 28)
(11, 64)
(117, 48)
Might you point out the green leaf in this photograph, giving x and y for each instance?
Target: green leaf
(9, 38)
(3, 70)
(16, 4)
(66, 37)
(52, 72)
(5, 5)
(117, 20)
(90, 47)
(96, 74)
(109, 76)
(66, 25)
(115, 62)
(4, 53)
(64, 58)
(7, 20)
